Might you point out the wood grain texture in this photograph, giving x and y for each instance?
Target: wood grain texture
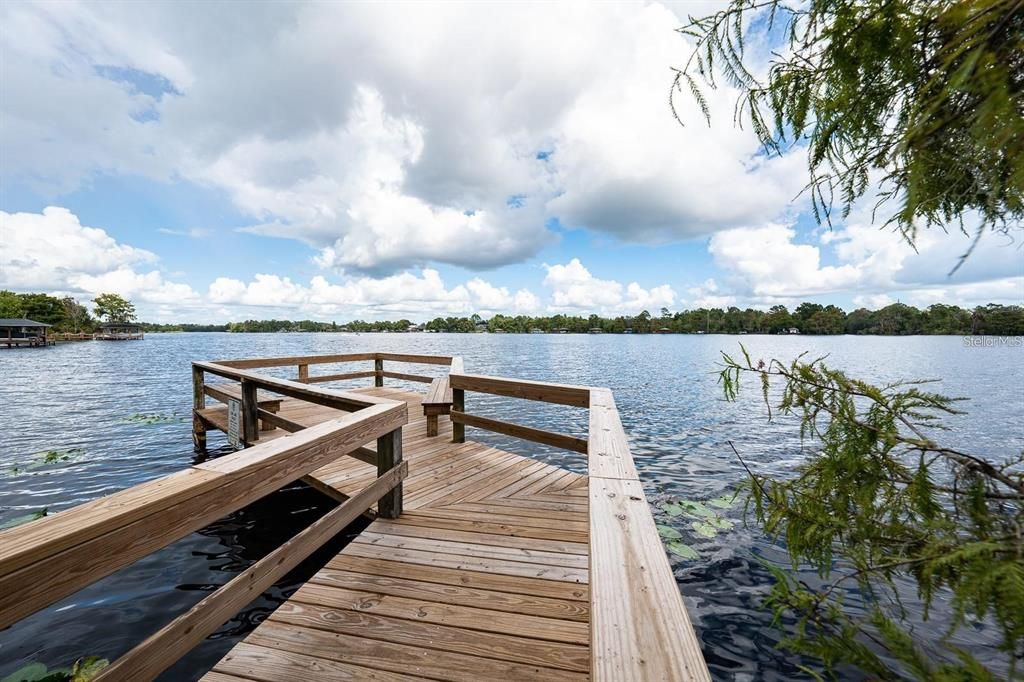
(558, 440)
(562, 394)
(160, 650)
(639, 626)
(609, 455)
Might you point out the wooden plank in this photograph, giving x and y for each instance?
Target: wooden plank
(441, 545)
(274, 419)
(341, 377)
(503, 526)
(557, 440)
(472, 618)
(254, 363)
(273, 665)
(495, 582)
(321, 396)
(439, 393)
(416, 359)
(389, 455)
(436, 664)
(160, 650)
(402, 528)
(609, 449)
(457, 595)
(483, 565)
(453, 512)
(519, 507)
(421, 378)
(562, 394)
(557, 655)
(639, 623)
(42, 562)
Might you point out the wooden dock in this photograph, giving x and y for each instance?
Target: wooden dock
(480, 564)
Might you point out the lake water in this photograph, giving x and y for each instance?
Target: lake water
(86, 398)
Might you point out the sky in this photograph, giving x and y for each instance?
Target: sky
(333, 161)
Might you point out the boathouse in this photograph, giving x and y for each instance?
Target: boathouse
(479, 563)
(15, 332)
(119, 331)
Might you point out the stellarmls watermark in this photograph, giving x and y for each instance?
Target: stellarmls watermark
(985, 341)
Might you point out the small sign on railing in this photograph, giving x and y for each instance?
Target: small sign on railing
(235, 423)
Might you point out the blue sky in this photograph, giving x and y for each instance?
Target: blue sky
(341, 161)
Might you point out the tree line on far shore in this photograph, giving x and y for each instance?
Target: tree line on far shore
(898, 319)
(807, 318)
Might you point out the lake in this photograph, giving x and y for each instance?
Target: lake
(120, 413)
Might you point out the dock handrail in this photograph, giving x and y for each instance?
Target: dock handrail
(51, 558)
(640, 629)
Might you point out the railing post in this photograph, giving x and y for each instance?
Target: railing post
(378, 369)
(458, 405)
(198, 403)
(250, 413)
(304, 374)
(389, 455)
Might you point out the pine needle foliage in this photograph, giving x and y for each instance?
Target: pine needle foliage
(880, 499)
(924, 98)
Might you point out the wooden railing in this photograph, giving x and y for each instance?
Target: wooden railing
(49, 559)
(639, 626)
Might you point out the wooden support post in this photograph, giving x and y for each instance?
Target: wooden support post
(378, 369)
(304, 374)
(250, 413)
(389, 455)
(198, 403)
(458, 405)
(431, 424)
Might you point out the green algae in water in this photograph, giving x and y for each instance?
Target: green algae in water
(20, 520)
(153, 418)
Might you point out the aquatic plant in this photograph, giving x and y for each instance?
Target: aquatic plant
(153, 418)
(84, 670)
(47, 458)
(24, 518)
(702, 520)
(879, 497)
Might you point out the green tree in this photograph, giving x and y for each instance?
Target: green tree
(926, 96)
(114, 308)
(10, 305)
(881, 496)
(42, 308)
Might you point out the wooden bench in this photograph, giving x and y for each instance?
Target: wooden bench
(232, 391)
(438, 401)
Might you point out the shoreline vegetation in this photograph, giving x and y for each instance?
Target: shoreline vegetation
(69, 316)
(808, 318)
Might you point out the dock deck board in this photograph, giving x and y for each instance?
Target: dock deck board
(484, 576)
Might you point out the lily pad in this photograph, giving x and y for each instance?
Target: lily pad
(683, 551)
(88, 668)
(724, 501)
(721, 523)
(696, 508)
(669, 533)
(672, 509)
(19, 520)
(704, 529)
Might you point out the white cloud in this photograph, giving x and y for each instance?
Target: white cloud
(53, 251)
(386, 135)
(575, 289)
(767, 264)
(405, 294)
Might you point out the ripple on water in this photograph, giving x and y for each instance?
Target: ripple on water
(84, 396)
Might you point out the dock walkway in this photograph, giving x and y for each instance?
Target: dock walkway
(480, 564)
(482, 577)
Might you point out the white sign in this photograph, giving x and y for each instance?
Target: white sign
(235, 423)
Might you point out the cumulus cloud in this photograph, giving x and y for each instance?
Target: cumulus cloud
(575, 289)
(771, 263)
(53, 251)
(452, 136)
(407, 294)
